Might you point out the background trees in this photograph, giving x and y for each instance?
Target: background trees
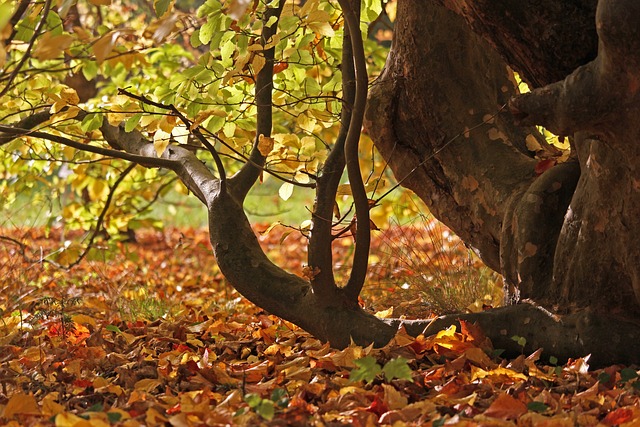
(242, 90)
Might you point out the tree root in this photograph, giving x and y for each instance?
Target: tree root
(609, 340)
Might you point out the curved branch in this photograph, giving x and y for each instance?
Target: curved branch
(241, 183)
(188, 123)
(24, 126)
(142, 160)
(363, 232)
(320, 256)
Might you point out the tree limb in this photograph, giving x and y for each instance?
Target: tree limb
(320, 252)
(241, 182)
(363, 232)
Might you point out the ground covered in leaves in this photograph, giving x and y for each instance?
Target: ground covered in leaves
(148, 333)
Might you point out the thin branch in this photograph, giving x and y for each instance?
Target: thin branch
(242, 181)
(25, 125)
(142, 160)
(27, 53)
(363, 233)
(187, 122)
(320, 255)
(103, 213)
(435, 153)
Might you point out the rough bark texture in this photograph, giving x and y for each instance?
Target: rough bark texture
(568, 239)
(543, 40)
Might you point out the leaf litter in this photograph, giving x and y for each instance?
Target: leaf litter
(148, 333)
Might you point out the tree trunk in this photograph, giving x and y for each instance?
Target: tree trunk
(567, 239)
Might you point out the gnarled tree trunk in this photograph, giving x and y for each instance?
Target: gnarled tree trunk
(567, 239)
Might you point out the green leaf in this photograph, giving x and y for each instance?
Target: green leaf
(6, 9)
(112, 328)
(161, 7)
(397, 368)
(604, 377)
(90, 70)
(114, 417)
(266, 409)
(367, 370)
(207, 31)
(628, 374)
(553, 360)
(253, 400)
(370, 9)
(538, 407)
(195, 38)
(522, 341)
(92, 121)
(132, 122)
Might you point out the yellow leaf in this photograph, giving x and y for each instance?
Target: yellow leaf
(100, 2)
(50, 46)
(322, 28)
(161, 141)
(49, 405)
(265, 145)
(84, 319)
(103, 47)
(69, 95)
(148, 384)
(258, 63)
(385, 314)
(393, 398)
(67, 419)
(449, 332)
(115, 119)
(21, 404)
(180, 134)
(69, 113)
(285, 191)
(167, 123)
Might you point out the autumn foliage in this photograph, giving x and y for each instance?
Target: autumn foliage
(152, 335)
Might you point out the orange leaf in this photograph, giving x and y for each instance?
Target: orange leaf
(617, 417)
(506, 407)
(21, 404)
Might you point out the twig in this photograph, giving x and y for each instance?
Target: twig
(188, 123)
(103, 213)
(436, 152)
(27, 53)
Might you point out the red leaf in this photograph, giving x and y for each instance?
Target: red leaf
(544, 165)
(378, 406)
(617, 417)
(83, 383)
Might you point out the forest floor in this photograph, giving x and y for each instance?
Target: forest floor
(148, 333)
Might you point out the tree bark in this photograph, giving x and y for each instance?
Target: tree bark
(567, 239)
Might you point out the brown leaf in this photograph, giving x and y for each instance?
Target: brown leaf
(506, 407)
